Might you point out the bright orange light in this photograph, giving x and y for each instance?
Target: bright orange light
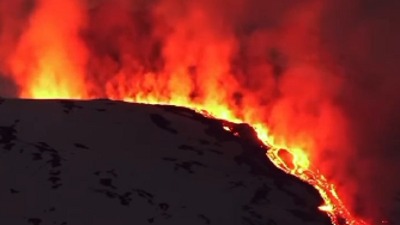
(49, 50)
(326, 208)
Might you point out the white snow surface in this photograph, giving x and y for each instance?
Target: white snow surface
(103, 162)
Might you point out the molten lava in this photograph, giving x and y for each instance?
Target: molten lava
(227, 64)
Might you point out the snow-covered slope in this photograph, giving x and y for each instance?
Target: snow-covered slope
(113, 163)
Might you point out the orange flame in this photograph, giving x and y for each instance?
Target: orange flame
(50, 49)
(53, 60)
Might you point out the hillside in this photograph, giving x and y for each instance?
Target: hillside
(105, 162)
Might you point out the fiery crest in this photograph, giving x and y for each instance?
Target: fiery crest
(258, 62)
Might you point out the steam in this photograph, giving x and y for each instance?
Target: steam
(322, 74)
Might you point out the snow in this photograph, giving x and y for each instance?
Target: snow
(105, 162)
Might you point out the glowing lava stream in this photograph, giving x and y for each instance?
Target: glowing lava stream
(298, 165)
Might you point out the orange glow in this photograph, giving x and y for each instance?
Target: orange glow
(50, 49)
(326, 208)
(298, 164)
(274, 80)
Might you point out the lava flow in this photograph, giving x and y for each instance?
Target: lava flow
(260, 62)
(293, 161)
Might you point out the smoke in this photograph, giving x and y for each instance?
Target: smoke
(363, 38)
(13, 15)
(321, 74)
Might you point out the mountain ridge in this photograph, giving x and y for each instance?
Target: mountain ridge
(110, 162)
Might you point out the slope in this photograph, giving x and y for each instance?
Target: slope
(107, 162)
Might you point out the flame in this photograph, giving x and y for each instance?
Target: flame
(56, 52)
(53, 60)
(298, 165)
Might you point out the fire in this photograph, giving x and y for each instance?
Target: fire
(192, 54)
(49, 50)
(294, 161)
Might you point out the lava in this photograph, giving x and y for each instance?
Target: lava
(262, 64)
(295, 162)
